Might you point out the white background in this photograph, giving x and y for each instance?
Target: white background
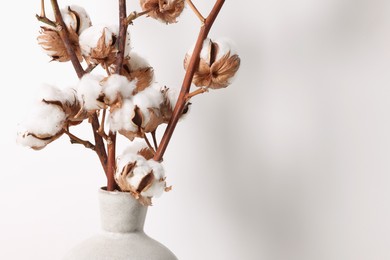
(290, 162)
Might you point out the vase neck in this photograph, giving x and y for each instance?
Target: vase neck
(120, 212)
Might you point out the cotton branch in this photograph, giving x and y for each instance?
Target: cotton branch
(185, 89)
(64, 34)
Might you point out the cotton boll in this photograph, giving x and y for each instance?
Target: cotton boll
(124, 159)
(116, 85)
(218, 64)
(74, 16)
(53, 93)
(89, 92)
(146, 99)
(42, 126)
(90, 37)
(45, 119)
(121, 118)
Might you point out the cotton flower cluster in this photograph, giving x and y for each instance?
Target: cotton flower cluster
(140, 175)
(50, 118)
(217, 66)
(124, 97)
(132, 113)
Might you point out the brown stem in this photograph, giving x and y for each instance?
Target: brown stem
(180, 105)
(99, 144)
(64, 34)
(46, 20)
(101, 127)
(148, 143)
(75, 140)
(134, 15)
(122, 36)
(154, 139)
(196, 11)
(90, 68)
(111, 146)
(196, 92)
(43, 14)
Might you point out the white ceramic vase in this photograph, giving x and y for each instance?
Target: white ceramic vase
(122, 236)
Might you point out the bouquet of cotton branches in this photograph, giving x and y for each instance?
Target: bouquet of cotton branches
(125, 99)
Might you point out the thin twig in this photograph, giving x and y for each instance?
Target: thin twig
(90, 68)
(185, 89)
(101, 127)
(46, 20)
(75, 140)
(154, 139)
(134, 15)
(196, 11)
(43, 13)
(149, 144)
(196, 92)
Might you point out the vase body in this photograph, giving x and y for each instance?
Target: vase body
(122, 236)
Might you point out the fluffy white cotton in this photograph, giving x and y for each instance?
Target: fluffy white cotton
(90, 37)
(25, 139)
(142, 168)
(136, 146)
(148, 98)
(117, 85)
(158, 186)
(224, 46)
(53, 93)
(137, 62)
(71, 20)
(85, 20)
(120, 119)
(89, 89)
(124, 159)
(172, 94)
(139, 172)
(44, 120)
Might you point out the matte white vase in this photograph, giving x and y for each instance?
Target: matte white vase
(122, 236)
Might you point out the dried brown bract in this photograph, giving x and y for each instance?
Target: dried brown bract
(163, 10)
(104, 53)
(51, 42)
(217, 65)
(136, 68)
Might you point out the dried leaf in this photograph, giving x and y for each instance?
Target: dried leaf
(144, 76)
